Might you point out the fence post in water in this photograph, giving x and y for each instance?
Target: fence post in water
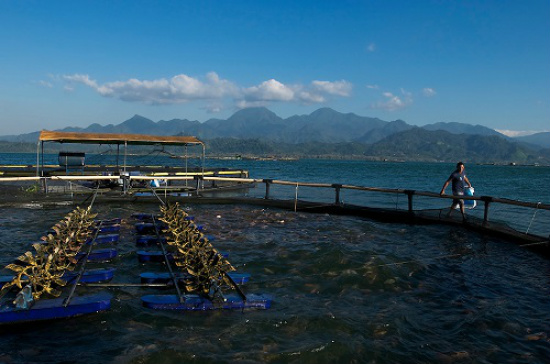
(337, 188)
(410, 194)
(267, 182)
(487, 200)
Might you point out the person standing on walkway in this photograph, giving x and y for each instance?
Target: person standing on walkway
(457, 180)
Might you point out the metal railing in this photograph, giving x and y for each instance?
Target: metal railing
(333, 194)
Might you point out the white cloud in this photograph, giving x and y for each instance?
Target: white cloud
(310, 97)
(84, 79)
(338, 88)
(373, 87)
(270, 90)
(211, 89)
(371, 47)
(243, 104)
(45, 84)
(394, 102)
(429, 92)
(517, 133)
(178, 89)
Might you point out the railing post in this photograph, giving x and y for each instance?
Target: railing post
(487, 200)
(198, 183)
(337, 188)
(214, 184)
(410, 194)
(267, 184)
(125, 183)
(45, 185)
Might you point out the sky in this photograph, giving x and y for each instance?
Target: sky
(74, 63)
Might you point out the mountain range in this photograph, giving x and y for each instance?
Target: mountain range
(368, 136)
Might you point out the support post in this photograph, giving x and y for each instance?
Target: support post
(337, 188)
(186, 170)
(125, 154)
(38, 159)
(267, 182)
(410, 194)
(198, 183)
(44, 183)
(203, 158)
(487, 201)
(117, 157)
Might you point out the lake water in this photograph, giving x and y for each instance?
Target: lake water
(345, 289)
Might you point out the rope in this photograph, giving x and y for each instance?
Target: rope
(533, 218)
(157, 196)
(93, 198)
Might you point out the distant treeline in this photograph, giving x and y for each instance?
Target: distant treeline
(418, 145)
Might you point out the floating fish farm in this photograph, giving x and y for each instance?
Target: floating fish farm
(45, 282)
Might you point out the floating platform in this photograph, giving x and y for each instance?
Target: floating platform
(104, 239)
(149, 227)
(198, 303)
(91, 275)
(98, 255)
(108, 228)
(150, 240)
(50, 309)
(154, 256)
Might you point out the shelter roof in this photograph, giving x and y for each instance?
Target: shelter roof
(109, 138)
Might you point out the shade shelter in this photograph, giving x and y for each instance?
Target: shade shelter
(113, 139)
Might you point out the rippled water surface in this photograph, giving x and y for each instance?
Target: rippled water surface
(345, 290)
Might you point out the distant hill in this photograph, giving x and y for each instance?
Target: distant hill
(327, 132)
(323, 125)
(461, 128)
(425, 145)
(539, 139)
(380, 133)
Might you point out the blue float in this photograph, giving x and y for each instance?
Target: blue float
(198, 303)
(49, 309)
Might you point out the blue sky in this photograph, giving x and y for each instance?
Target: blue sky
(73, 63)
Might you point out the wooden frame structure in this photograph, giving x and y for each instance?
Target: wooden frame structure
(112, 139)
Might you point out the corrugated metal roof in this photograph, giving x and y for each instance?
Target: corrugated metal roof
(109, 138)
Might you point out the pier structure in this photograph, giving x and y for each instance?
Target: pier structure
(73, 181)
(74, 175)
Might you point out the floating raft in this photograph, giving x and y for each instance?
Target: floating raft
(198, 303)
(165, 277)
(154, 256)
(108, 228)
(148, 240)
(49, 309)
(149, 227)
(98, 255)
(91, 275)
(104, 238)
